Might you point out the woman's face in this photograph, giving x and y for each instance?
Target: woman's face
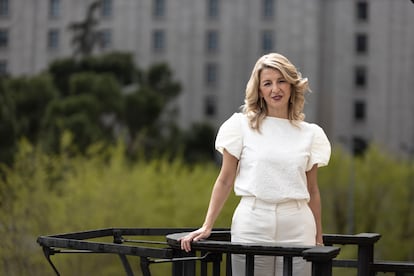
(275, 90)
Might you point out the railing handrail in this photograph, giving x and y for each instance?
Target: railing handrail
(77, 242)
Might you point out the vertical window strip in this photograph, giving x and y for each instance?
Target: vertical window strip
(105, 39)
(53, 39)
(359, 110)
(360, 78)
(54, 8)
(362, 11)
(267, 9)
(158, 9)
(211, 77)
(4, 38)
(3, 67)
(361, 43)
(267, 41)
(210, 106)
(213, 9)
(4, 8)
(106, 8)
(158, 40)
(212, 38)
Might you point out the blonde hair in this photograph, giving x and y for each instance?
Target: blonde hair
(256, 109)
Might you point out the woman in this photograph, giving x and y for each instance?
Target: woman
(270, 157)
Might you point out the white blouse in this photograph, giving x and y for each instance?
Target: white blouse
(274, 161)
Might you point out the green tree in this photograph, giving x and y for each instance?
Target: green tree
(199, 143)
(85, 36)
(22, 107)
(149, 112)
(89, 112)
(119, 64)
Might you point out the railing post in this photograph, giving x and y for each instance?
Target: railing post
(365, 259)
(184, 268)
(365, 243)
(249, 264)
(321, 258)
(228, 265)
(287, 265)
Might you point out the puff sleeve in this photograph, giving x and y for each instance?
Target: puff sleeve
(320, 148)
(229, 136)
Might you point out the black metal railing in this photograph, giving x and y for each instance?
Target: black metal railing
(212, 252)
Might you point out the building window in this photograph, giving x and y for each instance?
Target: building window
(106, 8)
(268, 9)
(213, 9)
(3, 67)
(53, 39)
(54, 8)
(267, 41)
(360, 77)
(4, 38)
(359, 111)
(158, 8)
(361, 43)
(211, 74)
(212, 38)
(158, 40)
(4, 8)
(105, 39)
(210, 106)
(359, 146)
(362, 11)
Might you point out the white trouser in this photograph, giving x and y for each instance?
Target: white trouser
(256, 221)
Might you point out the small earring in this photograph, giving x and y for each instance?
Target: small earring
(261, 102)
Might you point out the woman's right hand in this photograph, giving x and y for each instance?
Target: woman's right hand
(199, 234)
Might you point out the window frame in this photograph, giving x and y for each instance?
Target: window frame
(361, 43)
(212, 41)
(213, 9)
(267, 41)
(54, 9)
(105, 39)
(211, 77)
(159, 8)
(268, 9)
(4, 38)
(4, 8)
(53, 39)
(360, 76)
(360, 112)
(362, 11)
(106, 8)
(210, 106)
(159, 40)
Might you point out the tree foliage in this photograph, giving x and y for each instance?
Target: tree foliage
(97, 98)
(85, 36)
(23, 106)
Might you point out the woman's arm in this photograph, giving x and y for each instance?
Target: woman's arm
(221, 190)
(315, 201)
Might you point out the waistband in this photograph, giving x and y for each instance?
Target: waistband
(255, 202)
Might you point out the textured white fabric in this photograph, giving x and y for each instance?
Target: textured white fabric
(256, 221)
(274, 161)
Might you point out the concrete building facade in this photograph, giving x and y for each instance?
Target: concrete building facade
(357, 54)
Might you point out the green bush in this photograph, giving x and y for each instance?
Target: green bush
(48, 194)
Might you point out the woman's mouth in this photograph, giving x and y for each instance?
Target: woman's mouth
(277, 97)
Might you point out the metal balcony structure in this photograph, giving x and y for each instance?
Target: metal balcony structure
(209, 254)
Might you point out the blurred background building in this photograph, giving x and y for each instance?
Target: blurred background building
(357, 54)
